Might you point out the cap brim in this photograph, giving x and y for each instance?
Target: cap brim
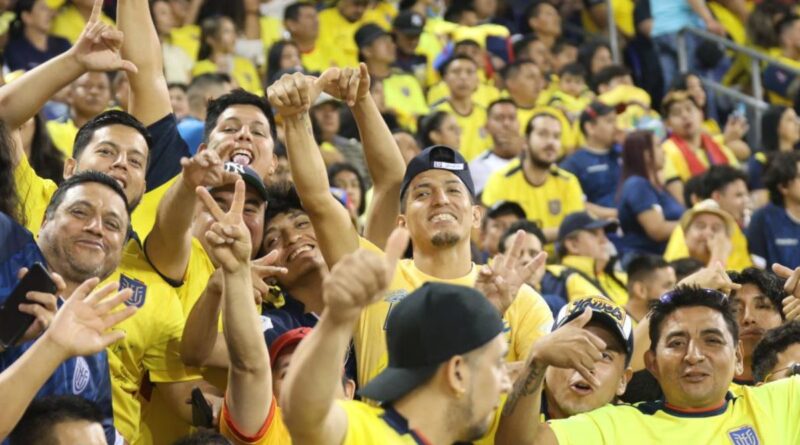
(689, 215)
(259, 187)
(393, 383)
(409, 31)
(609, 226)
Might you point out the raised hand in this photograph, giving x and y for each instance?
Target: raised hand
(80, 326)
(207, 169)
(791, 304)
(360, 278)
(346, 84)
(572, 346)
(501, 280)
(711, 277)
(263, 269)
(98, 46)
(720, 247)
(228, 237)
(293, 94)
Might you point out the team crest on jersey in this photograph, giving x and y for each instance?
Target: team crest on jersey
(744, 436)
(406, 91)
(81, 376)
(139, 290)
(393, 298)
(554, 206)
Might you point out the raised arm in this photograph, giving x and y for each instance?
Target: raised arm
(79, 328)
(249, 394)
(149, 99)
(292, 96)
(200, 344)
(97, 49)
(570, 346)
(309, 400)
(385, 164)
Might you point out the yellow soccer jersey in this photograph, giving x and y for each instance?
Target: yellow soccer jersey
(586, 283)
(317, 60)
(337, 35)
(152, 338)
(403, 94)
(244, 73)
(526, 320)
(188, 39)
(63, 135)
(758, 416)
(676, 167)
(474, 138)
(568, 137)
(485, 94)
(368, 425)
(738, 260)
(69, 23)
(546, 205)
(273, 432)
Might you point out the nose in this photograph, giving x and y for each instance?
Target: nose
(94, 225)
(244, 133)
(439, 197)
(694, 354)
(747, 316)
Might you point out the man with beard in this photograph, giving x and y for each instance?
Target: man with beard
(436, 205)
(546, 192)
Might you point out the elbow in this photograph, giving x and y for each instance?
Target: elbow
(250, 365)
(190, 356)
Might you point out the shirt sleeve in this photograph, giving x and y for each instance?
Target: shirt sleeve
(34, 193)
(272, 432)
(163, 359)
(530, 318)
(757, 240)
(639, 195)
(166, 152)
(575, 197)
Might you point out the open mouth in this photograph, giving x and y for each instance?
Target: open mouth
(695, 377)
(242, 157)
(442, 217)
(581, 388)
(299, 251)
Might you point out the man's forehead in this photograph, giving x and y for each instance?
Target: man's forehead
(694, 319)
(95, 194)
(122, 136)
(244, 113)
(284, 217)
(435, 177)
(708, 218)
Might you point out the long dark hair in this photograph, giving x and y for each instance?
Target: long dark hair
(274, 56)
(770, 124)
(636, 150)
(428, 124)
(339, 167)
(45, 158)
(9, 201)
(17, 26)
(209, 28)
(682, 83)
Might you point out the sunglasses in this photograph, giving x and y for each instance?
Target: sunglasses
(667, 297)
(793, 369)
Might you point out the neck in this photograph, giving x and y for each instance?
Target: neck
(379, 70)
(553, 411)
(637, 308)
(218, 56)
(748, 369)
(199, 113)
(548, 40)
(304, 44)
(533, 173)
(37, 38)
(784, 145)
(694, 141)
(444, 262)
(791, 52)
(595, 146)
(524, 102)
(308, 290)
(599, 266)
(419, 8)
(792, 208)
(462, 105)
(426, 415)
(78, 119)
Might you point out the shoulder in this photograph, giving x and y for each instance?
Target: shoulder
(564, 175)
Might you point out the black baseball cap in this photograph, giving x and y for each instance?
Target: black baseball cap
(428, 327)
(440, 157)
(593, 111)
(583, 221)
(409, 22)
(368, 34)
(251, 178)
(604, 312)
(501, 208)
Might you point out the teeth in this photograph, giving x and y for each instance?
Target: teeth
(299, 251)
(443, 217)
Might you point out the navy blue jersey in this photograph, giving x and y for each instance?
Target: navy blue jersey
(87, 376)
(774, 237)
(637, 196)
(598, 174)
(166, 152)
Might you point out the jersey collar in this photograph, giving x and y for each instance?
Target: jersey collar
(399, 423)
(697, 413)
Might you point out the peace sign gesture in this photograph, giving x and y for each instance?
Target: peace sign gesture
(501, 280)
(98, 47)
(228, 238)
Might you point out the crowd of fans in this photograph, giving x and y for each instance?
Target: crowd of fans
(380, 222)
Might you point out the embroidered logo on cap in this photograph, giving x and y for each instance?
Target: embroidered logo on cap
(448, 165)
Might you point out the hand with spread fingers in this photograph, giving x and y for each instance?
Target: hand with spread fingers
(207, 169)
(228, 238)
(501, 280)
(98, 47)
(359, 279)
(42, 306)
(791, 303)
(81, 325)
(263, 269)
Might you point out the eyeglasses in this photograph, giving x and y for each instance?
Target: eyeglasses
(793, 369)
(667, 297)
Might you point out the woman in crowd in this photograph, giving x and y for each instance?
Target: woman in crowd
(780, 132)
(217, 45)
(439, 128)
(31, 43)
(282, 55)
(647, 212)
(47, 161)
(346, 177)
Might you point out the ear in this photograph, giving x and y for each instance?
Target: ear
(349, 389)
(638, 289)
(70, 165)
(457, 376)
(202, 146)
(273, 165)
(739, 358)
(401, 220)
(650, 363)
(715, 195)
(623, 381)
(477, 216)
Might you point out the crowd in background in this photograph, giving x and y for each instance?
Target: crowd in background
(379, 222)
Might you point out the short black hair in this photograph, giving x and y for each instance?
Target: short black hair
(538, 114)
(685, 266)
(767, 282)
(641, 266)
(236, 97)
(203, 437)
(81, 178)
(179, 85)
(775, 341)
(501, 101)
(105, 119)
(607, 74)
(533, 9)
(781, 171)
(282, 198)
(446, 65)
(562, 44)
(784, 23)
(694, 186)
(523, 224)
(522, 44)
(690, 296)
(292, 12)
(716, 178)
(457, 9)
(513, 68)
(574, 69)
(42, 416)
(429, 123)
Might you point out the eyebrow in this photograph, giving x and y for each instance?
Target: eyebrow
(712, 331)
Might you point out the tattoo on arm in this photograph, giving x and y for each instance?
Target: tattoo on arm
(525, 386)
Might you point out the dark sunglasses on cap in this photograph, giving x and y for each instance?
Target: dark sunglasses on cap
(667, 297)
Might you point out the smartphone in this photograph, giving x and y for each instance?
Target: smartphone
(202, 416)
(14, 323)
(740, 111)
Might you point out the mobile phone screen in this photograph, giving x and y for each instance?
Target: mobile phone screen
(13, 323)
